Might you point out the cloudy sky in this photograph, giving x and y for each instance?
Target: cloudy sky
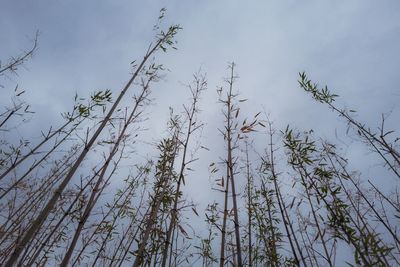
(352, 46)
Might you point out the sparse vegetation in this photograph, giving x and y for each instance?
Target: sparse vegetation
(291, 199)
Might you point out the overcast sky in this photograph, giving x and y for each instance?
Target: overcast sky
(352, 46)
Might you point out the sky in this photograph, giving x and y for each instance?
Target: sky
(351, 46)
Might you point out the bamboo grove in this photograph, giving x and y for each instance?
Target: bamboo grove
(285, 196)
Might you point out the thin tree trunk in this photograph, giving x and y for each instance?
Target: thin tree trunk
(280, 202)
(230, 167)
(249, 205)
(165, 176)
(91, 202)
(225, 217)
(200, 86)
